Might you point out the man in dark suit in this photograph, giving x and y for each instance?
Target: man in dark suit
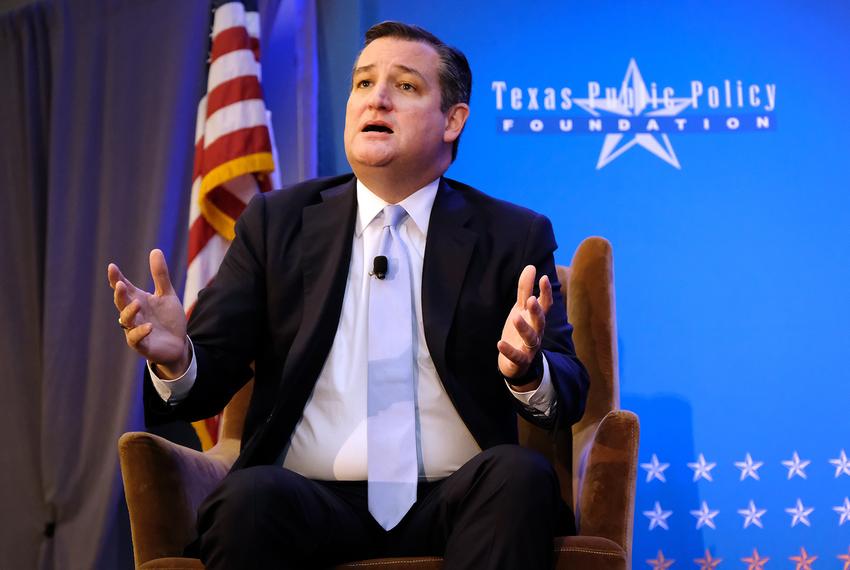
(295, 296)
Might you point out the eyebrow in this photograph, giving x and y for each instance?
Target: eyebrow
(404, 68)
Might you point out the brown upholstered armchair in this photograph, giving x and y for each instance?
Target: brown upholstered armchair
(597, 463)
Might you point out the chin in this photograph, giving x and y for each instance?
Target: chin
(371, 157)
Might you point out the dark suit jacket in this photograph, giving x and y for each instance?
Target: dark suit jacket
(278, 295)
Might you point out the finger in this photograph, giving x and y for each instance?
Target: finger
(545, 294)
(128, 315)
(115, 276)
(536, 315)
(138, 334)
(121, 297)
(530, 338)
(159, 272)
(525, 285)
(515, 355)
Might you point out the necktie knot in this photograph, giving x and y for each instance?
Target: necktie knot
(393, 215)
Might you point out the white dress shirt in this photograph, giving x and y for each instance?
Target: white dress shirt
(329, 441)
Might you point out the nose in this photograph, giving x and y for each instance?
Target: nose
(379, 97)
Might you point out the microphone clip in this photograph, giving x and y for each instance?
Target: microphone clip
(379, 266)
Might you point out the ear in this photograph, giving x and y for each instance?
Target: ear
(455, 120)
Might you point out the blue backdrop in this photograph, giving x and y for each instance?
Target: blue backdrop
(725, 195)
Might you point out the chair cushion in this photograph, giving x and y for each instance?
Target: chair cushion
(588, 552)
(173, 564)
(417, 563)
(571, 553)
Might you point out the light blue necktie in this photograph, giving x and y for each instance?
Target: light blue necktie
(391, 425)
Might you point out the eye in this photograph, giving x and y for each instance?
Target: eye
(363, 83)
(405, 86)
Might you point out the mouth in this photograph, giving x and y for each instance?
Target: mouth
(377, 127)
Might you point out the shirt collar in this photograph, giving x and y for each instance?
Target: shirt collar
(418, 206)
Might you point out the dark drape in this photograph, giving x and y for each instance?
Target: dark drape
(24, 124)
(97, 111)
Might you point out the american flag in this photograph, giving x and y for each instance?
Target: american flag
(234, 151)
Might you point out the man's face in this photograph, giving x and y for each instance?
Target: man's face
(393, 117)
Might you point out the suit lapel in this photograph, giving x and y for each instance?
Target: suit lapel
(327, 229)
(448, 251)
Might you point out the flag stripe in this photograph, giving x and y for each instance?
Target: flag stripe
(203, 267)
(233, 39)
(236, 116)
(200, 120)
(199, 234)
(252, 24)
(233, 91)
(234, 64)
(226, 202)
(234, 145)
(260, 162)
(227, 16)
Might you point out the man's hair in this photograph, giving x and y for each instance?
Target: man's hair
(455, 75)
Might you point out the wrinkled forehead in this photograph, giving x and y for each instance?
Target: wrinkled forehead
(400, 55)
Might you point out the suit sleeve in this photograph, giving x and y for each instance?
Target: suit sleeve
(567, 374)
(224, 327)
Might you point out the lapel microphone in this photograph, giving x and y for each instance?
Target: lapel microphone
(379, 266)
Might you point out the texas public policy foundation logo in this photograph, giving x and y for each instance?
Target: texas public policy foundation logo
(636, 115)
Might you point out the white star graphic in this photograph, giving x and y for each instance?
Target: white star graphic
(705, 516)
(702, 469)
(658, 517)
(842, 465)
(749, 467)
(799, 514)
(796, 466)
(631, 101)
(752, 515)
(655, 469)
(843, 511)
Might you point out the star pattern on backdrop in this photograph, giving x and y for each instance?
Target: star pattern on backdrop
(803, 561)
(660, 563)
(633, 83)
(748, 467)
(707, 562)
(800, 514)
(796, 466)
(843, 511)
(655, 469)
(755, 562)
(702, 468)
(658, 517)
(705, 516)
(842, 465)
(752, 515)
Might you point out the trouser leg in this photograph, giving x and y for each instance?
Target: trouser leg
(500, 510)
(271, 517)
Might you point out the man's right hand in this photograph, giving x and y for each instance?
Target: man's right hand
(154, 324)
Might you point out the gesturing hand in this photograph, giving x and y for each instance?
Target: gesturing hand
(154, 324)
(522, 334)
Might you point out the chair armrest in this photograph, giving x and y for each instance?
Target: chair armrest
(607, 491)
(165, 484)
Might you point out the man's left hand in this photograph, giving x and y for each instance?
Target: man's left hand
(522, 335)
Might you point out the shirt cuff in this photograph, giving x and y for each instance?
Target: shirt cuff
(540, 399)
(173, 391)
